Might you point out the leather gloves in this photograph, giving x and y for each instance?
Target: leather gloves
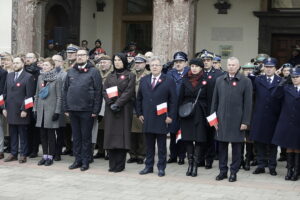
(115, 108)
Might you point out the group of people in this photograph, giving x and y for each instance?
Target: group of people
(127, 104)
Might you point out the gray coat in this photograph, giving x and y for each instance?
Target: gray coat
(46, 108)
(232, 101)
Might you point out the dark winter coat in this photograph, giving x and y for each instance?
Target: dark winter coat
(148, 99)
(266, 111)
(232, 101)
(117, 126)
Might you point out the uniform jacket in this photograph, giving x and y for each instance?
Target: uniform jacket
(148, 99)
(82, 89)
(45, 108)
(117, 126)
(232, 101)
(266, 110)
(15, 93)
(287, 132)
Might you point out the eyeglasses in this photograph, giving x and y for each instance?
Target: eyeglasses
(155, 65)
(81, 55)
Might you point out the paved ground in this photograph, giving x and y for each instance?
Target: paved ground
(29, 181)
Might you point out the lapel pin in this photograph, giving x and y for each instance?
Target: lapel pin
(122, 77)
(234, 83)
(18, 84)
(204, 82)
(209, 77)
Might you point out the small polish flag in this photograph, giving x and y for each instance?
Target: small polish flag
(162, 108)
(212, 119)
(1, 100)
(29, 103)
(178, 135)
(112, 92)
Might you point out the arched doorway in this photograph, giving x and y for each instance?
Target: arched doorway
(57, 26)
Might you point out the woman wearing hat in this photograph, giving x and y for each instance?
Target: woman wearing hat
(194, 127)
(47, 108)
(287, 132)
(119, 94)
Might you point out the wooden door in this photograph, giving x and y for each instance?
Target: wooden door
(282, 47)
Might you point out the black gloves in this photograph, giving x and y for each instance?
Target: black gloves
(115, 108)
(55, 117)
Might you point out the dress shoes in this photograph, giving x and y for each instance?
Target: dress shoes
(172, 160)
(131, 160)
(221, 176)
(33, 155)
(57, 158)
(22, 159)
(208, 165)
(42, 161)
(75, 165)
(201, 164)
(181, 161)
(254, 163)
(146, 171)
(84, 167)
(99, 155)
(259, 171)
(232, 177)
(140, 161)
(161, 173)
(273, 172)
(10, 158)
(48, 162)
(66, 152)
(1, 156)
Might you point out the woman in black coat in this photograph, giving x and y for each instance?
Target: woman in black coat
(118, 112)
(194, 128)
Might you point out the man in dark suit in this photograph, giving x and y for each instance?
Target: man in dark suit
(266, 109)
(156, 108)
(211, 74)
(18, 95)
(3, 75)
(82, 102)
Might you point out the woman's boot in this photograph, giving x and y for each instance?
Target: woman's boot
(190, 162)
(297, 167)
(196, 160)
(290, 166)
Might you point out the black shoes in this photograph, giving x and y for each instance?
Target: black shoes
(201, 164)
(181, 161)
(232, 177)
(131, 160)
(57, 158)
(259, 171)
(99, 155)
(67, 152)
(146, 171)
(42, 161)
(75, 165)
(273, 172)
(208, 165)
(161, 173)
(246, 166)
(221, 176)
(33, 155)
(140, 161)
(172, 160)
(48, 162)
(84, 167)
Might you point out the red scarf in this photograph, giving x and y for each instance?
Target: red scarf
(194, 78)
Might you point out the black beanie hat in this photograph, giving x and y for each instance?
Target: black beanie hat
(197, 61)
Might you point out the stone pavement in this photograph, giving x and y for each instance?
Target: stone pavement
(30, 182)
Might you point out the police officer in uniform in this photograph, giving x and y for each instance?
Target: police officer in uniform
(211, 74)
(179, 70)
(266, 108)
(137, 151)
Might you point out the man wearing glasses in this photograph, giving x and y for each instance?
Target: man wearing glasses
(82, 102)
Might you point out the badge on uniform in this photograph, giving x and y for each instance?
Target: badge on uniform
(234, 83)
(204, 82)
(122, 77)
(18, 84)
(159, 80)
(162, 108)
(112, 92)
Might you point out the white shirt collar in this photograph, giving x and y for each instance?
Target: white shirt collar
(19, 72)
(156, 78)
(271, 77)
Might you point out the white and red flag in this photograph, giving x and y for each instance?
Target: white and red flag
(112, 92)
(212, 119)
(178, 135)
(29, 103)
(162, 108)
(1, 100)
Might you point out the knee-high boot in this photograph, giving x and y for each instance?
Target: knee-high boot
(190, 167)
(290, 165)
(196, 161)
(297, 167)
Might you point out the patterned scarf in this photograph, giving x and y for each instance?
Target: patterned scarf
(49, 76)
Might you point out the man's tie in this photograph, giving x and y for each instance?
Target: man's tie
(153, 82)
(16, 76)
(269, 80)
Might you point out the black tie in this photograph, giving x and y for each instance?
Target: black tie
(269, 80)
(16, 76)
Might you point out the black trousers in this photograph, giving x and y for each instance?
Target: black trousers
(176, 149)
(151, 139)
(33, 136)
(68, 137)
(194, 148)
(210, 149)
(16, 132)
(236, 157)
(48, 140)
(82, 125)
(59, 140)
(100, 140)
(266, 155)
(137, 149)
(117, 159)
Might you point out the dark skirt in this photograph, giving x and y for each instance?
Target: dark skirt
(117, 159)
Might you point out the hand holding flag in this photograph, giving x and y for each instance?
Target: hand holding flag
(28, 103)
(212, 119)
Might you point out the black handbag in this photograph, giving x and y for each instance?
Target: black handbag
(187, 109)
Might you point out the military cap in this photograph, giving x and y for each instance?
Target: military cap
(270, 62)
(248, 65)
(71, 48)
(261, 57)
(287, 65)
(217, 58)
(140, 59)
(207, 55)
(180, 56)
(295, 71)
